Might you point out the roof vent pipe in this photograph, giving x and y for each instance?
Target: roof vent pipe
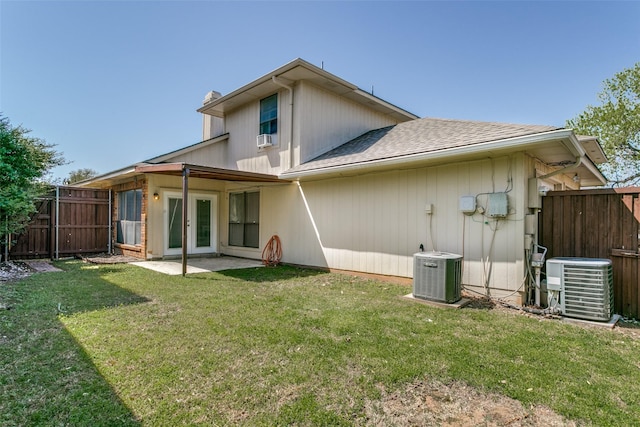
(290, 143)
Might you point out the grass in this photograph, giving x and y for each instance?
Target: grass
(121, 345)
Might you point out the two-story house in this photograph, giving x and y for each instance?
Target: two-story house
(348, 181)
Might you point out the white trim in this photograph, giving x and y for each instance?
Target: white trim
(184, 150)
(193, 197)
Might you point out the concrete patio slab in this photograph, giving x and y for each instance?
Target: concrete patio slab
(199, 265)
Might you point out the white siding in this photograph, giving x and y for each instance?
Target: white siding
(243, 126)
(375, 223)
(155, 215)
(324, 120)
(213, 155)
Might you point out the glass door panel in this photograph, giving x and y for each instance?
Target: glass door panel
(175, 223)
(203, 223)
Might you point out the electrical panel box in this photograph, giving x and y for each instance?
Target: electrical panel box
(530, 224)
(497, 205)
(467, 204)
(535, 200)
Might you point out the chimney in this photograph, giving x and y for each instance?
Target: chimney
(211, 126)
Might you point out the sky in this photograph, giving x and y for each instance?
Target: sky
(112, 83)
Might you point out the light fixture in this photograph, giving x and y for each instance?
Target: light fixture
(156, 196)
(576, 178)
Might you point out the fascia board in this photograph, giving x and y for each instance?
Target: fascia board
(313, 70)
(595, 171)
(267, 78)
(395, 108)
(107, 176)
(180, 151)
(512, 144)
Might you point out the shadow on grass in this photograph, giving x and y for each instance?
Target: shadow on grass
(271, 274)
(47, 377)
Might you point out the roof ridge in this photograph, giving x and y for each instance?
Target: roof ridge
(444, 119)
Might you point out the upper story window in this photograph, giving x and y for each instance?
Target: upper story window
(269, 115)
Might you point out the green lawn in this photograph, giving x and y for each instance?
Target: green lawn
(121, 345)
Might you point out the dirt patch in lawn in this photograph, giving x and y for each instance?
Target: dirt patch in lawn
(109, 259)
(14, 270)
(432, 403)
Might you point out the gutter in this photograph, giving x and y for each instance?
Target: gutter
(290, 143)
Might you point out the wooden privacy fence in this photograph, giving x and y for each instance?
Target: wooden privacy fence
(598, 224)
(70, 221)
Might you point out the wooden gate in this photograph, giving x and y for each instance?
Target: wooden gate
(598, 224)
(70, 221)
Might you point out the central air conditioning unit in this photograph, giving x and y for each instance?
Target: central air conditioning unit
(437, 276)
(581, 287)
(264, 140)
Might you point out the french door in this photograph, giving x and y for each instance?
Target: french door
(201, 223)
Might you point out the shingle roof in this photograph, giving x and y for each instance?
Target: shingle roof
(415, 137)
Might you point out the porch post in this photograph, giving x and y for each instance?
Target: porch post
(185, 211)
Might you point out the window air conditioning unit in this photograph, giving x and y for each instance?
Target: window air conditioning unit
(264, 140)
(437, 276)
(581, 287)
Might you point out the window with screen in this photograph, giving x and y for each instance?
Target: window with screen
(244, 219)
(129, 224)
(269, 115)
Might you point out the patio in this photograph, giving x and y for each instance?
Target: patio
(199, 265)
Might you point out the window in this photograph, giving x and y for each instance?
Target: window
(244, 216)
(269, 115)
(129, 225)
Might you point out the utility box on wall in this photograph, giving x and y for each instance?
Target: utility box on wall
(535, 199)
(497, 205)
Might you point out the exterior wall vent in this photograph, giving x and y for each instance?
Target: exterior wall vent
(581, 287)
(264, 140)
(437, 276)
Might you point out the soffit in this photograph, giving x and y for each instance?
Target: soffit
(592, 148)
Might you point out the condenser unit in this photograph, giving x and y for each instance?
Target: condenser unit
(581, 287)
(437, 276)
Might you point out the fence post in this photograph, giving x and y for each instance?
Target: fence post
(7, 238)
(57, 220)
(110, 225)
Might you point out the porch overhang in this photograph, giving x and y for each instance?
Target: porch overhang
(206, 172)
(187, 171)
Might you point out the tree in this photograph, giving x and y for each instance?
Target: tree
(24, 163)
(80, 175)
(616, 123)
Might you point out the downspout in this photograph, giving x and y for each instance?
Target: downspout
(564, 169)
(290, 143)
